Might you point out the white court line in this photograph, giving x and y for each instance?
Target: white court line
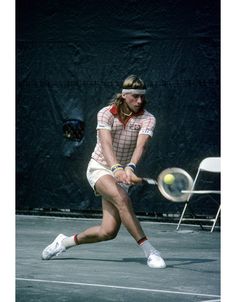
(217, 300)
(117, 287)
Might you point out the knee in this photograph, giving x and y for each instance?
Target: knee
(109, 234)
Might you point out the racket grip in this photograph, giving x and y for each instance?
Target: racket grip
(140, 181)
(149, 181)
(137, 181)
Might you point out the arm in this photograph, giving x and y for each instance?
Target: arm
(145, 133)
(106, 144)
(139, 150)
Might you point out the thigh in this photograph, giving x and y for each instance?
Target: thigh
(111, 219)
(110, 190)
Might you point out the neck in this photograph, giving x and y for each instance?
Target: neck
(125, 111)
(126, 114)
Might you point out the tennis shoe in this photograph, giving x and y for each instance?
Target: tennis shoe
(155, 260)
(55, 248)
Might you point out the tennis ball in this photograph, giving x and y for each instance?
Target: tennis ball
(169, 179)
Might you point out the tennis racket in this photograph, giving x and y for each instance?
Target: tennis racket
(178, 191)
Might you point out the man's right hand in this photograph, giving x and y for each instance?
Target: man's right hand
(122, 177)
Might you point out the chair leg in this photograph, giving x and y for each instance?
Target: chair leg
(182, 215)
(215, 220)
(195, 216)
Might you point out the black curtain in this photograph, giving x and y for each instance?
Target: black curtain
(72, 57)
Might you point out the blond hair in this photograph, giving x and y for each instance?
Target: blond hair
(131, 82)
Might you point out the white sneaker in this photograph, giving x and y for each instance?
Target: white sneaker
(155, 260)
(55, 248)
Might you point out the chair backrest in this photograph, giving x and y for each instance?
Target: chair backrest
(210, 164)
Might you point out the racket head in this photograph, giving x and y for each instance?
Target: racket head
(173, 192)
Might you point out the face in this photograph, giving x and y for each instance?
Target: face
(134, 101)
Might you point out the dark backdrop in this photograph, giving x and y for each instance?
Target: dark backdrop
(72, 56)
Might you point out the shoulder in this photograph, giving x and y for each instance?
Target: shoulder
(105, 112)
(105, 109)
(105, 117)
(148, 115)
(148, 123)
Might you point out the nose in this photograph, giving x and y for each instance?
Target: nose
(140, 99)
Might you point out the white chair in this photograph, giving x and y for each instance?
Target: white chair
(212, 165)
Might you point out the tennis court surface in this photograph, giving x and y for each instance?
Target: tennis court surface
(116, 270)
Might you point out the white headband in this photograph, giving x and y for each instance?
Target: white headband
(134, 91)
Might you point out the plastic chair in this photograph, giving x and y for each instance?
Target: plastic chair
(212, 165)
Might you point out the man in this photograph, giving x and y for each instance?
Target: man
(123, 131)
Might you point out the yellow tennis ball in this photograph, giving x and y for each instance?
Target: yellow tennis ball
(169, 179)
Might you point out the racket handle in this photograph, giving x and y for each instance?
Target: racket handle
(137, 181)
(149, 181)
(140, 181)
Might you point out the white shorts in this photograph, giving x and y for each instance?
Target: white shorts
(96, 170)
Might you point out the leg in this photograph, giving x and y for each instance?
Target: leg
(107, 230)
(117, 208)
(112, 192)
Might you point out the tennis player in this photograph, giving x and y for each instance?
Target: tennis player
(123, 130)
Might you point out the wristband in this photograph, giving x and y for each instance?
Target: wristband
(132, 166)
(116, 167)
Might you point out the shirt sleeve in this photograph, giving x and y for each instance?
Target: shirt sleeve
(105, 119)
(148, 125)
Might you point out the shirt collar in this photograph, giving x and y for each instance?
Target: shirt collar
(114, 111)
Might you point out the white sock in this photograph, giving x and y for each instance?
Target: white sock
(69, 242)
(147, 248)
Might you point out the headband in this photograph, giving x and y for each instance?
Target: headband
(134, 91)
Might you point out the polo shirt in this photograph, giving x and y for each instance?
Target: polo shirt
(124, 135)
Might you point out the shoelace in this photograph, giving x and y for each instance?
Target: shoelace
(156, 253)
(53, 248)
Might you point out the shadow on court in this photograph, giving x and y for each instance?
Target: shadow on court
(116, 270)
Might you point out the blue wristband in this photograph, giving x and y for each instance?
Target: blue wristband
(132, 166)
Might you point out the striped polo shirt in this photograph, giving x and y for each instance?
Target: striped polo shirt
(124, 136)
